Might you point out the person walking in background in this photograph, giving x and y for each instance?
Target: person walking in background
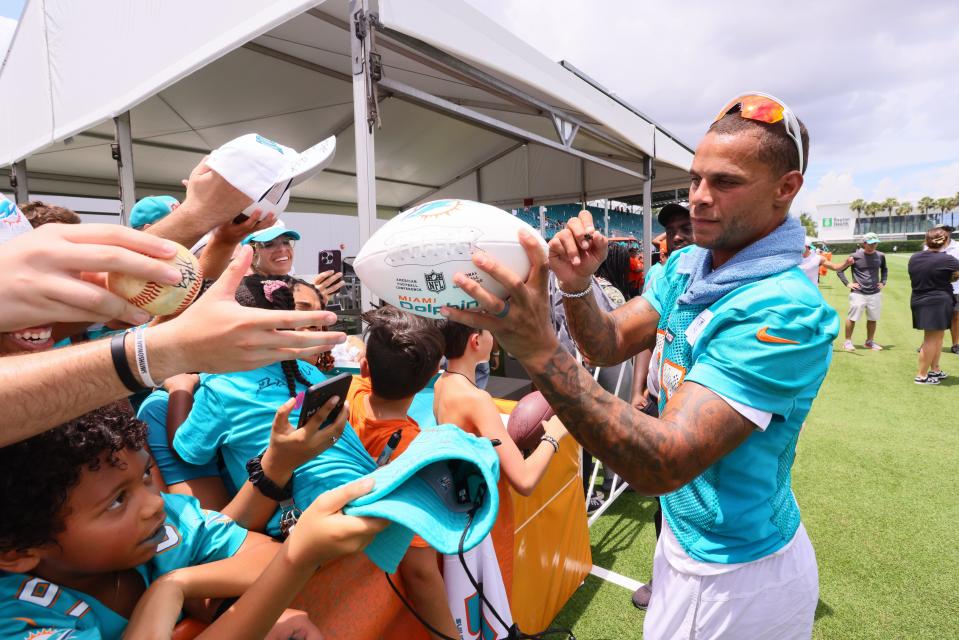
(869, 274)
(931, 273)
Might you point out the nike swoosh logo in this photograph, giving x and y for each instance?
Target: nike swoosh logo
(763, 336)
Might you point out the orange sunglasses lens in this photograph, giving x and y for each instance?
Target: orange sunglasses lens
(758, 108)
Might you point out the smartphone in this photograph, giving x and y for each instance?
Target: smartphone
(330, 260)
(319, 394)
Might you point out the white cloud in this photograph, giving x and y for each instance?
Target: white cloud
(875, 81)
(832, 188)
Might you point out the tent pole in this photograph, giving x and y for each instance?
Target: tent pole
(648, 213)
(606, 217)
(363, 122)
(122, 151)
(18, 181)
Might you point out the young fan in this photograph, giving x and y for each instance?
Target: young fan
(403, 352)
(89, 539)
(458, 401)
(232, 413)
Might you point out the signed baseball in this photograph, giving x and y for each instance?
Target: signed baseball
(162, 299)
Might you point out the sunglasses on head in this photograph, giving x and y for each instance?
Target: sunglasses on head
(763, 107)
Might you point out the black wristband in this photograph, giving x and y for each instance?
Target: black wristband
(118, 352)
(264, 485)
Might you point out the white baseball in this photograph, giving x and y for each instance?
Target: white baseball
(162, 299)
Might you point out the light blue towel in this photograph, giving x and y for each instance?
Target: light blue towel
(780, 250)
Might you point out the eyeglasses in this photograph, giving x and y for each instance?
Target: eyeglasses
(277, 242)
(763, 107)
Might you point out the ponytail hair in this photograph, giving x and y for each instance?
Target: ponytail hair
(272, 293)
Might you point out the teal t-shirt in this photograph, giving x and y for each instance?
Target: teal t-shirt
(766, 345)
(153, 411)
(31, 607)
(232, 416)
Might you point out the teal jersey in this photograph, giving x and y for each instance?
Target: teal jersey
(232, 416)
(32, 608)
(766, 345)
(153, 411)
(652, 275)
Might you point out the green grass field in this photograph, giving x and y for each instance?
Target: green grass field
(877, 479)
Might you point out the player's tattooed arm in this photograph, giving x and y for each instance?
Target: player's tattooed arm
(606, 339)
(654, 456)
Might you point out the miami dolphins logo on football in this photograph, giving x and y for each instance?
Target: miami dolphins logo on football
(435, 209)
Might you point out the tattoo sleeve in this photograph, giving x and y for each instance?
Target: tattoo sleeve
(655, 456)
(602, 337)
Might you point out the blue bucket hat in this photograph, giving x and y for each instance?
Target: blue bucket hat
(151, 210)
(272, 233)
(430, 490)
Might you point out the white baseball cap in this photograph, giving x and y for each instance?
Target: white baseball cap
(265, 170)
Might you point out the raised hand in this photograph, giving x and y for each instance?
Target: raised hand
(576, 252)
(57, 273)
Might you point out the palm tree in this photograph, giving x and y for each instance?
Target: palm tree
(889, 205)
(944, 205)
(925, 204)
(904, 209)
(872, 208)
(858, 205)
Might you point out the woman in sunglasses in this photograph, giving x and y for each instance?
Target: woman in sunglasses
(273, 256)
(273, 251)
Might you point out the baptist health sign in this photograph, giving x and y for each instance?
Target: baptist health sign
(835, 222)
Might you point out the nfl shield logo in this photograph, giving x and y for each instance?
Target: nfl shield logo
(435, 281)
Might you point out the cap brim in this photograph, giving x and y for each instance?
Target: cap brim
(403, 496)
(270, 234)
(310, 162)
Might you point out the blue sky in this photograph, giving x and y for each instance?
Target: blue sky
(875, 81)
(11, 8)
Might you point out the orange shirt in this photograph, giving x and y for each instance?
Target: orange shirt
(374, 434)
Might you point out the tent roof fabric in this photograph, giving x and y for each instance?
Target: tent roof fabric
(283, 69)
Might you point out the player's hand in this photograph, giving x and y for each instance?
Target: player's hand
(291, 447)
(56, 273)
(554, 427)
(854, 286)
(525, 330)
(209, 194)
(882, 285)
(323, 532)
(576, 252)
(232, 233)
(328, 283)
(215, 334)
(294, 625)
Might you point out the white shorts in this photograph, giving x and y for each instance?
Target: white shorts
(858, 302)
(773, 598)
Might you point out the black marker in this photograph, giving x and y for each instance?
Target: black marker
(391, 445)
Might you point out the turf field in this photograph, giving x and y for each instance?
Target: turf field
(877, 478)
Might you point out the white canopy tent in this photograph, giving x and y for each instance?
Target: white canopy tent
(114, 93)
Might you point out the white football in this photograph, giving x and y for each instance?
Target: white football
(410, 261)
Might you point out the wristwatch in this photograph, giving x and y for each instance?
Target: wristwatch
(264, 485)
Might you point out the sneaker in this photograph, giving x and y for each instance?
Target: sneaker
(642, 595)
(941, 375)
(849, 346)
(595, 503)
(926, 380)
(873, 345)
(955, 348)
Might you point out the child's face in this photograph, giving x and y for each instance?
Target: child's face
(113, 519)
